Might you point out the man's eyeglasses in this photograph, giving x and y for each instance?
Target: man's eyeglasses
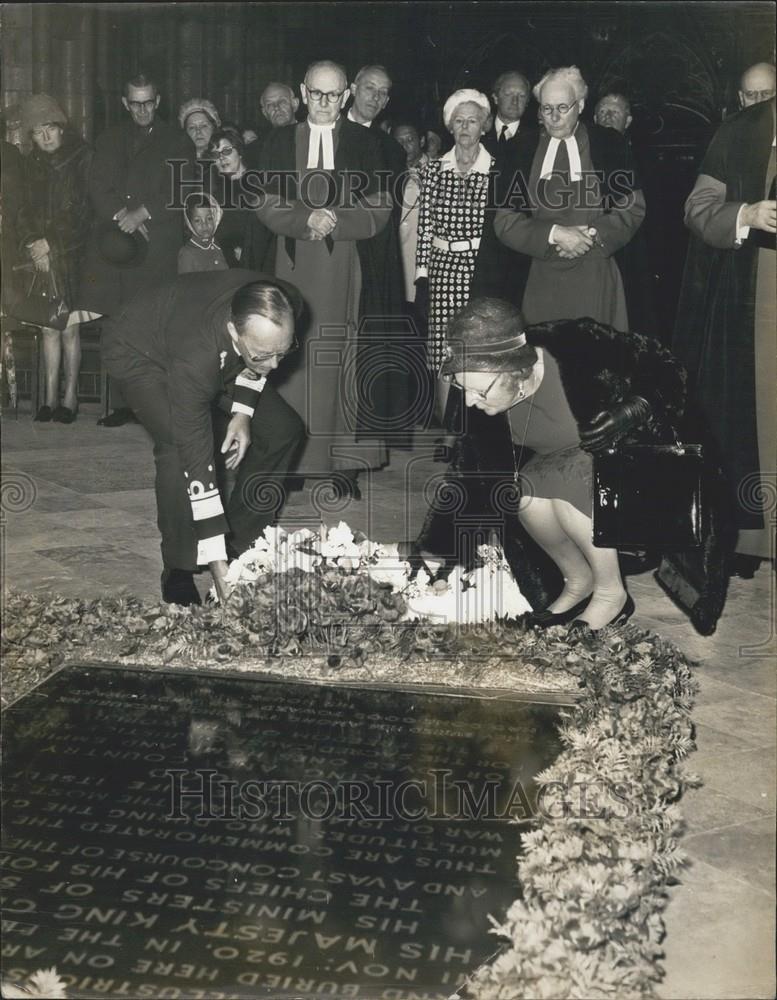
(44, 131)
(142, 105)
(330, 95)
(546, 110)
(224, 153)
(477, 393)
(758, 95)
(280, 355)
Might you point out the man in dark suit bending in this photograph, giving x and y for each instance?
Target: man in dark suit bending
(192, 357)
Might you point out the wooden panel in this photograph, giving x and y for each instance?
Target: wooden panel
(16, 52)
(42, 81)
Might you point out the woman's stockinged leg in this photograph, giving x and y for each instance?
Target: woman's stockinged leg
(539, 518)
(609, 592)
(71, 349)
(52, 356)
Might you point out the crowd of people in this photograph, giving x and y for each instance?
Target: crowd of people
(381, 283)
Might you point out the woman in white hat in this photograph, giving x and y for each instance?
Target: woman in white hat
(454, 194)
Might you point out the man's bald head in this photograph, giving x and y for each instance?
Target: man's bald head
(326, 65)
(278, 103)
(757, 84)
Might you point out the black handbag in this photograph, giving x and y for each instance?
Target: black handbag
(42, 304)
(648, 497)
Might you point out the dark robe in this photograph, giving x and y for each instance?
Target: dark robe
(129, 169)
(717, 313)
(599, 367)
(384, 335)
(504, 273)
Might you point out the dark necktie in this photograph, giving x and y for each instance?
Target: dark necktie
(503, 134)
(561, 164)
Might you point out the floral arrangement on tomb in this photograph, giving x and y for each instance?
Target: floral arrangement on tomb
(467, 597)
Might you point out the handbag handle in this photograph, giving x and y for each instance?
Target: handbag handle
(53, 287)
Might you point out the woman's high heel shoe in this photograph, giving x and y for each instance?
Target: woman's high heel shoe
(547, 618)
(579, 627)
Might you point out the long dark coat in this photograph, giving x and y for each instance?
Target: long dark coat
(503, 273)
(599, 367)
(714, 333)
(130, 169)
(385, 333)
(56, 208)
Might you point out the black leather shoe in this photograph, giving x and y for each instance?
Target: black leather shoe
(64, 415)
(743, 566)
(579, 627)
(118, 418)
(44, 414)
(547, 618)
(178, 587)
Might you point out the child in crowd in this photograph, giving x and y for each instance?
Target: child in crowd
(201, 252)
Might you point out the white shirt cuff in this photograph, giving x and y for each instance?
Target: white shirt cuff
(552, 235)
(211, 550)
(242, 408)
(742, 232)
(421, 272)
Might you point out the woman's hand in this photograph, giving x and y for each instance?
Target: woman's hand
(236, 440)
(610, 426)
(218, 570)
(572, 241)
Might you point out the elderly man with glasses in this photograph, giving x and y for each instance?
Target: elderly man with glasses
(325, 227)
(568, 199)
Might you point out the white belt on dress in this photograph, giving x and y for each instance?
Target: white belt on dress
(455, 246)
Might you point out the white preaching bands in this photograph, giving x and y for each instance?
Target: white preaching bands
(321, 138)
(575, 167)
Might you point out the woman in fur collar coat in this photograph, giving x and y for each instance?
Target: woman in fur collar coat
(53, 228)
(566, 390)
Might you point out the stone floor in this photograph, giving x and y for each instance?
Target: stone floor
(78, 518)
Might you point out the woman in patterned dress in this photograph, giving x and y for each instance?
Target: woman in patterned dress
(454, 193)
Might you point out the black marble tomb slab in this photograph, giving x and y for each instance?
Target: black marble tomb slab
(360, 887)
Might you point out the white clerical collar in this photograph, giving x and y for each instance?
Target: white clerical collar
(512, 127)
(352, 119)
(482, 164)
(320, 142)
(573, 152)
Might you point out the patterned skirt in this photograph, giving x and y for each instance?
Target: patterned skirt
(450, 275)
